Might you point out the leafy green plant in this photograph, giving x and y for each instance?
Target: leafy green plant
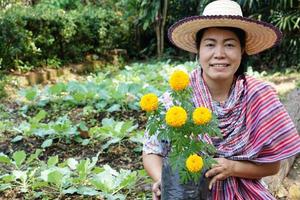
(61, 129)
(112, 131)
(39, 179)
(3, 83)
(16, 172)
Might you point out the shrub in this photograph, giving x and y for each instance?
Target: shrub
(31, 36)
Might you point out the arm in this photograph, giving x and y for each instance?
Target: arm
(153, 165)
(246, 169)
(242, 169)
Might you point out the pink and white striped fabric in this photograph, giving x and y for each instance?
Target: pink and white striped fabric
(255, 127)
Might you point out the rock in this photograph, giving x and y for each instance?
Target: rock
(282, 192)
(292, 105)
(51, 74)
(274, 182)
(294, 192)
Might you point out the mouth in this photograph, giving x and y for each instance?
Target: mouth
(219, 65)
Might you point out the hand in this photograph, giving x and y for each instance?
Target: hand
(156, 190)
(220, 171)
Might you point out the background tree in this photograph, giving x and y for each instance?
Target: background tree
(29, 28)
(154, 13)
(285, 14)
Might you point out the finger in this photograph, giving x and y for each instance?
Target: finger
(156, 187)
(213, 172)
(155, 197)
(213, 180)
(158, 193)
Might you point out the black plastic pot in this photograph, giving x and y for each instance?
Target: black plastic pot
(171, 189)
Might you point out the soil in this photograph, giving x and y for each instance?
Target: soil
(125, 156)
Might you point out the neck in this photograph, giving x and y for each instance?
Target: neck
(219, 90)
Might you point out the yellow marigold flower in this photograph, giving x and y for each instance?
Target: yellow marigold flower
(201, 115)
(194, 163)
(176, 116)
(179, 80)
(149, 102)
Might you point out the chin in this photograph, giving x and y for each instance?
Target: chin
(219, 77)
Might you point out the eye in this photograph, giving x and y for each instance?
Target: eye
(230, 45)
(209, 44)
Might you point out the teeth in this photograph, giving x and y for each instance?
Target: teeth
(220, 65)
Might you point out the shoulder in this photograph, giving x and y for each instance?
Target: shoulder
(257, 86)
(258, 90)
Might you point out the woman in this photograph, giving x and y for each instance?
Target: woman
(257, 131)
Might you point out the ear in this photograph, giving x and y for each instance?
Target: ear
(243, 51)
(197, 56)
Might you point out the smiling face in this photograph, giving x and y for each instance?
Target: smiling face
(220, 54)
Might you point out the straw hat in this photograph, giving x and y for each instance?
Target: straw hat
(224, 13)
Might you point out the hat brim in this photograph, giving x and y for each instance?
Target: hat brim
(259, 35)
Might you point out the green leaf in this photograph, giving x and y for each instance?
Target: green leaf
(19, 157)
(34, 156)
(39, 185)
(8, 178)
(88, 191)
(17, 138)
(97, 170)
(57, 89)
(113, 108)
(82, 168)
(107, 122)
(55, 177)
(101, 105)
(47, 143)
(4, 187)
(72, 163)
(106, 180)
(22, 175)
(4, 158)
(52, 161)
(70, 190)
(79, 97)
(31, 94)
(85, 142)
(40, 116)
(82, 126)
(110, 142)
(129, 180)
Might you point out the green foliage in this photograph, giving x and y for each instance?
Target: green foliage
(61, 129)
(113, 131)
(31, 176)
(3, 82)
(53, 32)
(284, 14)
(102, 93)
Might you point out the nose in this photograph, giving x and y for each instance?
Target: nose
(219, 52)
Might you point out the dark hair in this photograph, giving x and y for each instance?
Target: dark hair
(242, 38)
